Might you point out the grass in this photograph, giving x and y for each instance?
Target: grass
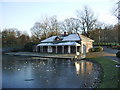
(110, 72)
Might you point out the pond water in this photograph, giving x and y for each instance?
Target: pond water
(35, 72)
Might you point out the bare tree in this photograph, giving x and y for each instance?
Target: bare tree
(75, 24)
(40, 28)
(45, 28)
(36, 30)
(87, 19)
(118, 21)
(71, 25)
(66, 26)
(54, 26)
(117, 14)
(116, 11)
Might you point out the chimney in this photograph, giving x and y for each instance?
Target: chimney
(65, 33)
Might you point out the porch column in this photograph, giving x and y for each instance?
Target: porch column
(62, 49)
(69, 49)
(48, 49)
(41, 48)
(81, 47)
(56, 49)
(36, 49)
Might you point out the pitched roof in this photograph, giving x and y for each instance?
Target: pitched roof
(50, 39)
(71, 37)
(84, 38)
(60, 44)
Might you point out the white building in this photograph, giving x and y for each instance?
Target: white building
(65, 44)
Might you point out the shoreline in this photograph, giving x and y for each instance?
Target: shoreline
(112, 74)
(46, 55)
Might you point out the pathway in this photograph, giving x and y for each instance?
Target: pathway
(108, 53)
(113, 52)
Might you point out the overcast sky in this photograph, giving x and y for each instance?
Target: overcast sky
(22, 14)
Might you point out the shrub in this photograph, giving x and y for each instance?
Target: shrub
(118, 54)
(116, 47)
(29, 46)
(15, 49)
(91, 50)
(98, 49)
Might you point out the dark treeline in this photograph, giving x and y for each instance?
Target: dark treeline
(12, 37)
(105, 35)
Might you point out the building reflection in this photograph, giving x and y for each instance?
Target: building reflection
(77, 65)
(83, 67)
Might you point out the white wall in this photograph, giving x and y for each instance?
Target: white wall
(87, 44)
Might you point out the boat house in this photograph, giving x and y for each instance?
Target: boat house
(65, 44)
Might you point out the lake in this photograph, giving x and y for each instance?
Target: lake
(36, 72)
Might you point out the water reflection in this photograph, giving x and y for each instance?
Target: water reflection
(31, 72)
(77, 65)
(83, 67)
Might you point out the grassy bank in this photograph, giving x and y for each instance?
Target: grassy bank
(110, 72)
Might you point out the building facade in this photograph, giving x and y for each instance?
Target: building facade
(65, 44)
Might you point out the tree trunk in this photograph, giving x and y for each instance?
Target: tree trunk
(119, 34)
